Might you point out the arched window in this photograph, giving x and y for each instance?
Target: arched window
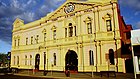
(54, 34)
(27, 41)
(15, 42)
(65, 32)
(44, 37)
(111, 56)
(30, 59)
(44, 32)
(17, 60)
(25, 59)
(91, 57)
(70, 30)
(32, 40)
(18, 41)
(54, 56)
(14, 60)
(37, 39)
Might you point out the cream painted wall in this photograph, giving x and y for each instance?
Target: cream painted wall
(101, 40)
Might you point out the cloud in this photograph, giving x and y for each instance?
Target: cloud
(137, 13)
(27, 10)
(138, 25)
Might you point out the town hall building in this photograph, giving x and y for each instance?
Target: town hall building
(81, 36)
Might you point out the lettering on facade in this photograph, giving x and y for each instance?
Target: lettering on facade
(87, 10)
(70, 15)
(54, 19)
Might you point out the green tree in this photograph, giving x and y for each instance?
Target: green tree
(3, 58)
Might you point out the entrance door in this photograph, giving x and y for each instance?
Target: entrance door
(37, 61)
(129, 66)
(71, 61)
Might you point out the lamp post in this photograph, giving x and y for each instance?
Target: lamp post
(91, 52)
(51, 66)
(44, 62)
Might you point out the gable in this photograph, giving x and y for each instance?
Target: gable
(18, 22)
(70, 7)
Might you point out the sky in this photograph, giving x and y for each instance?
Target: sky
(31, 10)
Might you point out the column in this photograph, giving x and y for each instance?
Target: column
(100, 46)
(98, 54)
(96, 19)
(60, 53)
(68, 32)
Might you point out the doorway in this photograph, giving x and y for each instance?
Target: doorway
(129, 66)
(37, 61)
(71, 61)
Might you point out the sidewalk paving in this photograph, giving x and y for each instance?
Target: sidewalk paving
(61, 75)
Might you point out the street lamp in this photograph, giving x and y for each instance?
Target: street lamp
(51, 66)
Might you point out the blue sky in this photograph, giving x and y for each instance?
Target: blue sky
(30, 10)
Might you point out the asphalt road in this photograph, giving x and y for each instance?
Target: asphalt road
(10, 76)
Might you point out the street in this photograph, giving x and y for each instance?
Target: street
(10, 76)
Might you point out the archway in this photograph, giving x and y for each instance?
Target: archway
(37, 61)
(71, 61)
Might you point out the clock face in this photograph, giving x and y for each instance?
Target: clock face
(69, 8)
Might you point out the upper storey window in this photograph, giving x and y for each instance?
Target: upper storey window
(44, 37)
(108, 25)
(70, 30)
(89, 26)
(54, 32)
(32, 40)
(88, 22)
(37, 38)
(16, 41)
(108, 22)
(26, 41)
(44, 32)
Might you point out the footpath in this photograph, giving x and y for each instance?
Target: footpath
(61, 75)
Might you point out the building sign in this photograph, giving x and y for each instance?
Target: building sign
(69, 8)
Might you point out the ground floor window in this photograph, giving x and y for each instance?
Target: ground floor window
(25, 59)
(111, 56)
(91, 57)
(54, 55)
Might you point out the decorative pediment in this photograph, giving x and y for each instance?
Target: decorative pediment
(53, 28)
(107, 16)
(18, 22)
(44, 30)
(88, 19)
(70, 7)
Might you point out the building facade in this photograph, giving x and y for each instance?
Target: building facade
(81, 36)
